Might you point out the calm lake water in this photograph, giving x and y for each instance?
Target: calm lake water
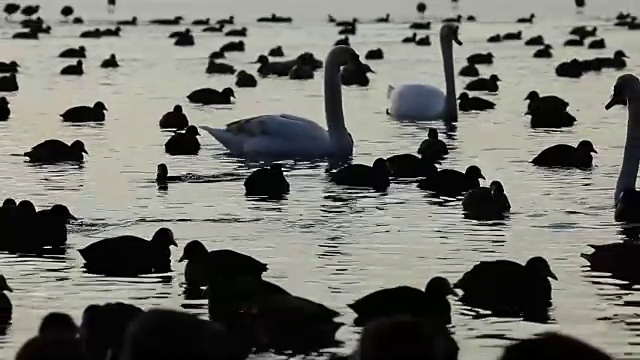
(323, 242)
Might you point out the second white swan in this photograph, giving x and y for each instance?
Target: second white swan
(626, 198)
(426, 102)
(285, 136)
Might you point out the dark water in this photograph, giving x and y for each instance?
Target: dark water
(323, 242)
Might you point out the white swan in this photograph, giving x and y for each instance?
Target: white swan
(427, 102)
(626, 198)
(287, 136)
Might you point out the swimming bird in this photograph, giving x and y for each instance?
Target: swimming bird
(269, 182)
(54, 151)
(512, 35)
(226, 21)
(214, 28)
(419, 25)
(469, 70)
(214, 67)
(355, 75)
(216, 55)
(66, 11)
(507, 288)
(174, 119)
(163, 178)
(6, 308)
(424, 41)
(537, 40)
(289, 136)
(374, 54)
(563, 155)
(52, 225)
(110, 62)
(570, 69)
(430, 304)
(183, 143)
(185, 39)
(132, 22)
(496, 38)
(617, 259)
(626, 91)
(220, 263)
(597, 44)
(208, 96)
(276, 52)
(83, 113)
(9, 83)
(5, 111)
(79, 52)
(245, 80)
(233, 46)
(9, 67)
(484, 84)
(375, 177)
(480, 59)
(410, 39)
(544, 52)
(10, 9)
(452, 183)
(384, 19)
(433, 147)
(31, 34)
(474, 103)
(175, 21)
(201, 21)
(426, 102)
(486, 203)
(410, 166)
(129, 255)
(301, 72)
(343, 41)
(547, 103)
(526, 20)
(76, 69)
(237, 32)
(577, 41)
(91, 34)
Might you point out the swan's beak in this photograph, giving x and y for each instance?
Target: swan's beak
(615, 100)
(457, 41)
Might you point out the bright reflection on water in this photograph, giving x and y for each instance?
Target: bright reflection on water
(326, 243)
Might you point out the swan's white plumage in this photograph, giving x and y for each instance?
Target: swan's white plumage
(274, 135)
(288, 136)
(417, 102)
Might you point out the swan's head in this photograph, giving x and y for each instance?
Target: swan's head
(344, 55)
(586, 147)
(627, 87)
(449, 31)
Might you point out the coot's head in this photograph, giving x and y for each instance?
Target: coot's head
(62, 212)
(192, 130)
(494, 78)
(433, 133)
(228, 92)
(540, 267)
(474, 172)
(194, 250)
(262, 59)
(496, 188)
(177, 109)
(57, 324)
(26, 207)
(9, 202)
(165, 237)
(585, 146)
(440, 286)
(462, 97)
(4, 286)
(532, 95)
(162, 172)
(100, 106)
(78, 145)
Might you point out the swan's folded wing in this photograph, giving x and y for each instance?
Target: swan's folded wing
(280, 125)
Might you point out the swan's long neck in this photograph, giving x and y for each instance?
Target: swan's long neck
(629, 168)
(333, 96)
(451, 107)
